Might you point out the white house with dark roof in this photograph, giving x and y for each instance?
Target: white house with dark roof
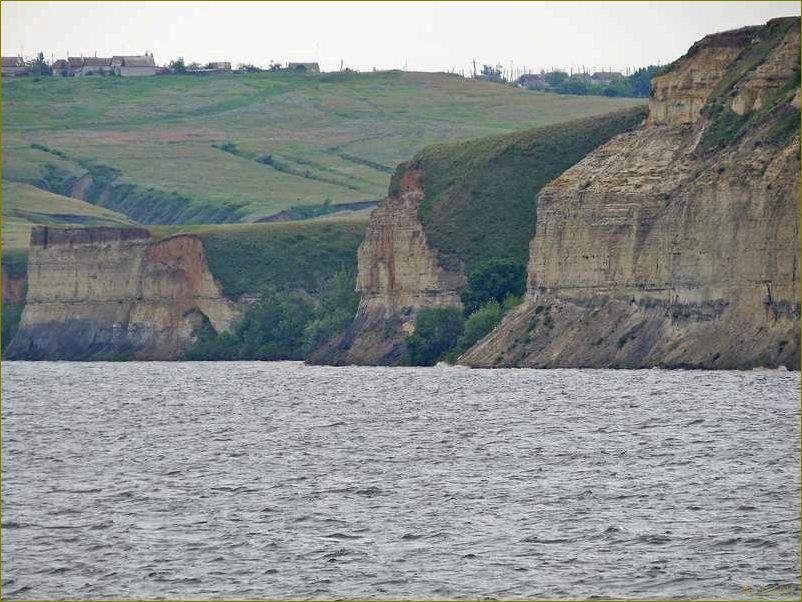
(134, 66)
(93, 65)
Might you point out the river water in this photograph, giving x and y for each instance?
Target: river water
(279, 480)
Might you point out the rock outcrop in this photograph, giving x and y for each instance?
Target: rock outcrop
(96, 293)
(450, 209)
(676, 244)
(398, 274)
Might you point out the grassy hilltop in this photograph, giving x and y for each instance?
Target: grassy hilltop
(233, 148)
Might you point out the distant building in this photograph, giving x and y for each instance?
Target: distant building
(74, 65)
(304, 67)
(606, 77)
(532, 81)
(61, 68)
(93, 65)
(219, 65)
(134, 66)
(14, 65)
(581, 77)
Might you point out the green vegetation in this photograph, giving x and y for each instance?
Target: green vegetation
(494, 280)
(637, 85)
(282, 325)
(445, 333)
(159, 148)
(437, 330)
(15, 260)
(11, 313)
(727, 127)
(286, 255)
(480, 194)
(25, 205)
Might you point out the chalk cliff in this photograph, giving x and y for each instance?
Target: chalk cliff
(676, 244)
(95, 293)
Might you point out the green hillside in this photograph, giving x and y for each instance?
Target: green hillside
(232, 148)
(300, 255)
(480, 194)
(25, 205)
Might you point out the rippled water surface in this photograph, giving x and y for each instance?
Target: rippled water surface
(278, 480)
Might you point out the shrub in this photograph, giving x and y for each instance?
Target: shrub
(493, 280)
(11, 313)
(282, 325)
(436, 332)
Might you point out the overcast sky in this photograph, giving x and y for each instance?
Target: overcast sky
(423, 36)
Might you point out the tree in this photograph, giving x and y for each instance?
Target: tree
(274, 66)
(177, 66)
(493, 74)
(436, 332)
(41, 66)
(336, 310)
(555, 77)
(493, 280)
(274, 329)
(248, 68)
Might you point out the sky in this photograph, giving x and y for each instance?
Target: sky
(417, 36)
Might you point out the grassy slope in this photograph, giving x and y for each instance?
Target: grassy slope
(25, 205)
(334, 136)
(726, 126)
(288, 255)
(480, 194)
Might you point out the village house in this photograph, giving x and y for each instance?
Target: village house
(14, 65)
(606, 77)
(219, 65)
(93, 65)
(134, 66)
(60, 68)
(304, 67)
(585, 78)
(532, 81)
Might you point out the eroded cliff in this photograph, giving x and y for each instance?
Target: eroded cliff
(676, 244)
(449, 210)
(398, 274)
(97, 293)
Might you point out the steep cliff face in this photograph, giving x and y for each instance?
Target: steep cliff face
(676, 244)
(109, 292)
(398, 274)
(449, 210)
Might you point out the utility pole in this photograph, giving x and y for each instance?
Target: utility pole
(474, 68)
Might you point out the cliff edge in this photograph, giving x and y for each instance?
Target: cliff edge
(448, 210)
(113, 293)
(676, 244)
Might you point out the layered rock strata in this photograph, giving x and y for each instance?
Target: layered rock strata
(654, 252)
(398, 274)
(96, 293)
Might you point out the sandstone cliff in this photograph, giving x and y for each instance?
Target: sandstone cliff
(97, 293)
(398, 274)
(676, 244)
(449, 209)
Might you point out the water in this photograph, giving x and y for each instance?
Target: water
(277, 480)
